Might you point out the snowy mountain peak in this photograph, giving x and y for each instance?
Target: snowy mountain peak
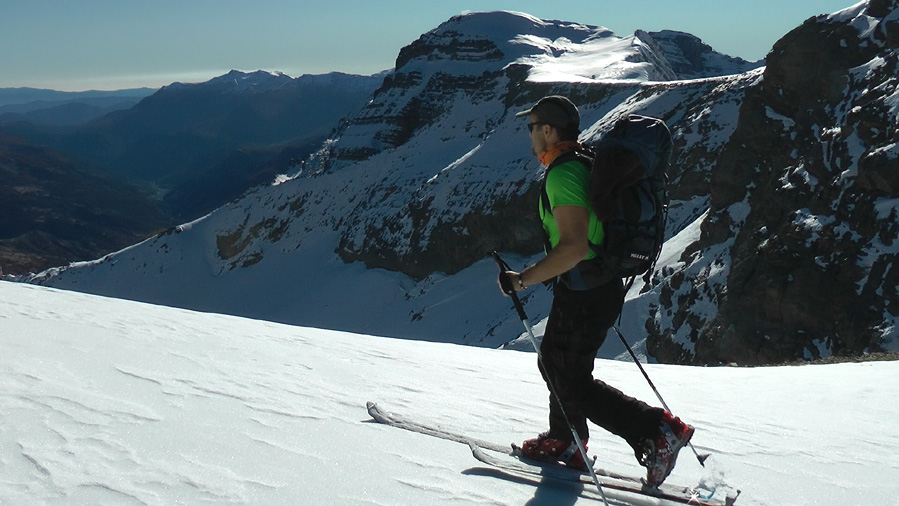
(689, 57)
(236, 82)
(553, 50)
(502, 26)
(258, 81)
(562, 51)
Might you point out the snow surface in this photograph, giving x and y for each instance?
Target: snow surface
(115, 402)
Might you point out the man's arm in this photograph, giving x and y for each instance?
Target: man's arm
(573, 223)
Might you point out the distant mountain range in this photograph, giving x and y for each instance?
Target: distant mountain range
(189, 148)
(47, 107)
(64, 108)
(53, 212)
(782, 227)
(182, 137)
(29, 99)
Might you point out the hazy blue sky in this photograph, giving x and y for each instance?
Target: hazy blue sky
(112, 44)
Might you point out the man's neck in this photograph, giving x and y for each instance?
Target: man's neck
(550, 153)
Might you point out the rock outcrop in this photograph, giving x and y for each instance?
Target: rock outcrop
(800, 241)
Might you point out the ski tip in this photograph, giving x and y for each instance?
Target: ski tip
(731, 499)
(375, 412)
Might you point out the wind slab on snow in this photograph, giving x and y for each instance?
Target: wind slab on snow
(114, 402)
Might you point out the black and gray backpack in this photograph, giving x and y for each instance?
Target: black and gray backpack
(628, 193)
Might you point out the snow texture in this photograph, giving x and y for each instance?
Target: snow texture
(114, 402)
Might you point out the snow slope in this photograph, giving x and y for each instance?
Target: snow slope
(114, 402)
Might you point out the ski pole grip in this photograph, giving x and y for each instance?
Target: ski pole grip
(506, 286)
(505, 282)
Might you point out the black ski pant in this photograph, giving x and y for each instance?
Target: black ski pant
(577, 326)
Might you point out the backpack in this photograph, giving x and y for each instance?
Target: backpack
(628, 194)
(635, 204)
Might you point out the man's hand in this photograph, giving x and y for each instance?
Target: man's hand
(510, 282)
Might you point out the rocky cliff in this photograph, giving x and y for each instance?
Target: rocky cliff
(798, 247)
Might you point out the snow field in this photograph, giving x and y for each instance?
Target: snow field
(114, 402)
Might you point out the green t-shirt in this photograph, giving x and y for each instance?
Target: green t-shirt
(567, 185)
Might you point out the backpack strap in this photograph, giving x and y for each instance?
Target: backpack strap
(583, 155)
(578, 277)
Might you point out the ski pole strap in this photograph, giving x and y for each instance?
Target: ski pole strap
(507, 286)
(503, 266)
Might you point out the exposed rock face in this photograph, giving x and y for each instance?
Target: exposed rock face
(803, 221)
(689, 58)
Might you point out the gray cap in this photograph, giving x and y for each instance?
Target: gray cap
(557, 111)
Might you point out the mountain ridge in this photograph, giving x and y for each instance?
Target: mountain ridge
(181, 137)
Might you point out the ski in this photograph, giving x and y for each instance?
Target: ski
(682, 495)
(512, 461)
(391, 419)
(394, 420)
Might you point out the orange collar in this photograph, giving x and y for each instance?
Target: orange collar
(555, 150)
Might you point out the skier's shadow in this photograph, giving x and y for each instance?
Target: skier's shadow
(546, 492)
(550, 492)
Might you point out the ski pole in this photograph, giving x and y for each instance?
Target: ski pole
(508, 290)
(700, 458)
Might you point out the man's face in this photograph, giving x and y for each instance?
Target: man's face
(538, 132)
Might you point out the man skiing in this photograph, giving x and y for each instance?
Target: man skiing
(585, 306)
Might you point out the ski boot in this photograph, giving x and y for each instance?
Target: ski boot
(547, 449)
(660, 454)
